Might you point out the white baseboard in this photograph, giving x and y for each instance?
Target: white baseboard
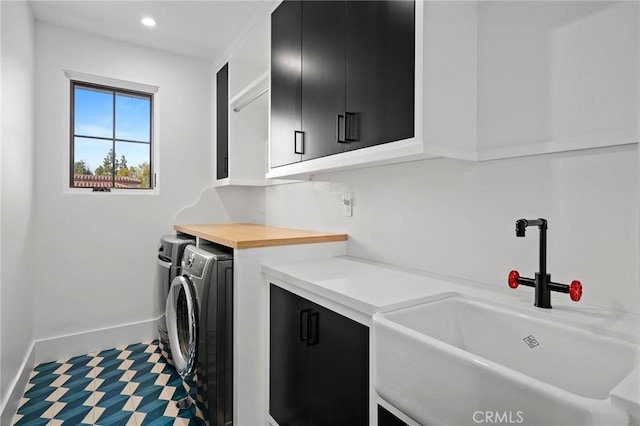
(69, 345)
(61, 347)
(16, 390)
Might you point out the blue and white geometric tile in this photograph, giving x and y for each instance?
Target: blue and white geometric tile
(126, 386)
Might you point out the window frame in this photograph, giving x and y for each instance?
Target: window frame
(115, 90)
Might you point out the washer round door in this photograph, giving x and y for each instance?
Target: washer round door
(182, 324)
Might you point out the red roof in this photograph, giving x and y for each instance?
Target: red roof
(94, 181)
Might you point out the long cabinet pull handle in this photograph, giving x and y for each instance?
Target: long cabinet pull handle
(298, 142)
(312, 329)
(304, 324)
(350, 127)
(340, 130)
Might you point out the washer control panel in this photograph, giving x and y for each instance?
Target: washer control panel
(194, 264)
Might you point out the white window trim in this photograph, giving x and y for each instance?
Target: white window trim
(128, 85)
(113, 82)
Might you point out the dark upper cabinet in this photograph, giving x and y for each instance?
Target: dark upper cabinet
(222, 123)
(323, 76)
(319, 364)
(286, 84)
(380, 72)
(342, 76)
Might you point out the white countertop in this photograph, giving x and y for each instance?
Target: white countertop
(368, 287)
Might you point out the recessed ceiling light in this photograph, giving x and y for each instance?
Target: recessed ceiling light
(149, 22)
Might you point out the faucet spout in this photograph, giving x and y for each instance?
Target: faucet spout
(521, 225)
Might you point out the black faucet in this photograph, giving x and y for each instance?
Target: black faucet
(542, 282)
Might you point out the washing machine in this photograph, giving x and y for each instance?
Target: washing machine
(200, 327)
(170, 251)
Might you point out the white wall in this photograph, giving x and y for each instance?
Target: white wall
(239, 204)
(556, 75)
(17, 224)
(96, 264)
(458, 218)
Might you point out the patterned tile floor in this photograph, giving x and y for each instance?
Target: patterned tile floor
(125, 386)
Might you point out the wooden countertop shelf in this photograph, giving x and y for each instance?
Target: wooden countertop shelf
(249, 235)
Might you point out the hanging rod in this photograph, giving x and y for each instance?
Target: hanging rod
(251, 99)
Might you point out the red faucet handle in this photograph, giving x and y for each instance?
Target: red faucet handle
(575, 290)
(513, 279)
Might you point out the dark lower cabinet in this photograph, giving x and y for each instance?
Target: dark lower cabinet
(288, 359)
(385, 418)
(222, 123)
(319, 364)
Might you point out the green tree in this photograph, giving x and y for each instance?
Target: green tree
(81, 168)
(142, 173)
(123, 170)
(106, 169)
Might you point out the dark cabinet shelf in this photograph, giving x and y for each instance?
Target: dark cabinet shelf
(319, 364)
(342, 77)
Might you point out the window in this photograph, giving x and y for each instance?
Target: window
(111, 137)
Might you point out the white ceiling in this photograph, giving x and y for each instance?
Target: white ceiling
(204, 29)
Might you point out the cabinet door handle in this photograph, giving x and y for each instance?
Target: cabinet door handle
(298, 142)
(350, 127)
(340, 130)
(312, 328)
(226, 164)
(304, 324)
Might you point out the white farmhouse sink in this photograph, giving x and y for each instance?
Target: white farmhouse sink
(458, 361)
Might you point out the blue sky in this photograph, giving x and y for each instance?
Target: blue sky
(93, 116)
